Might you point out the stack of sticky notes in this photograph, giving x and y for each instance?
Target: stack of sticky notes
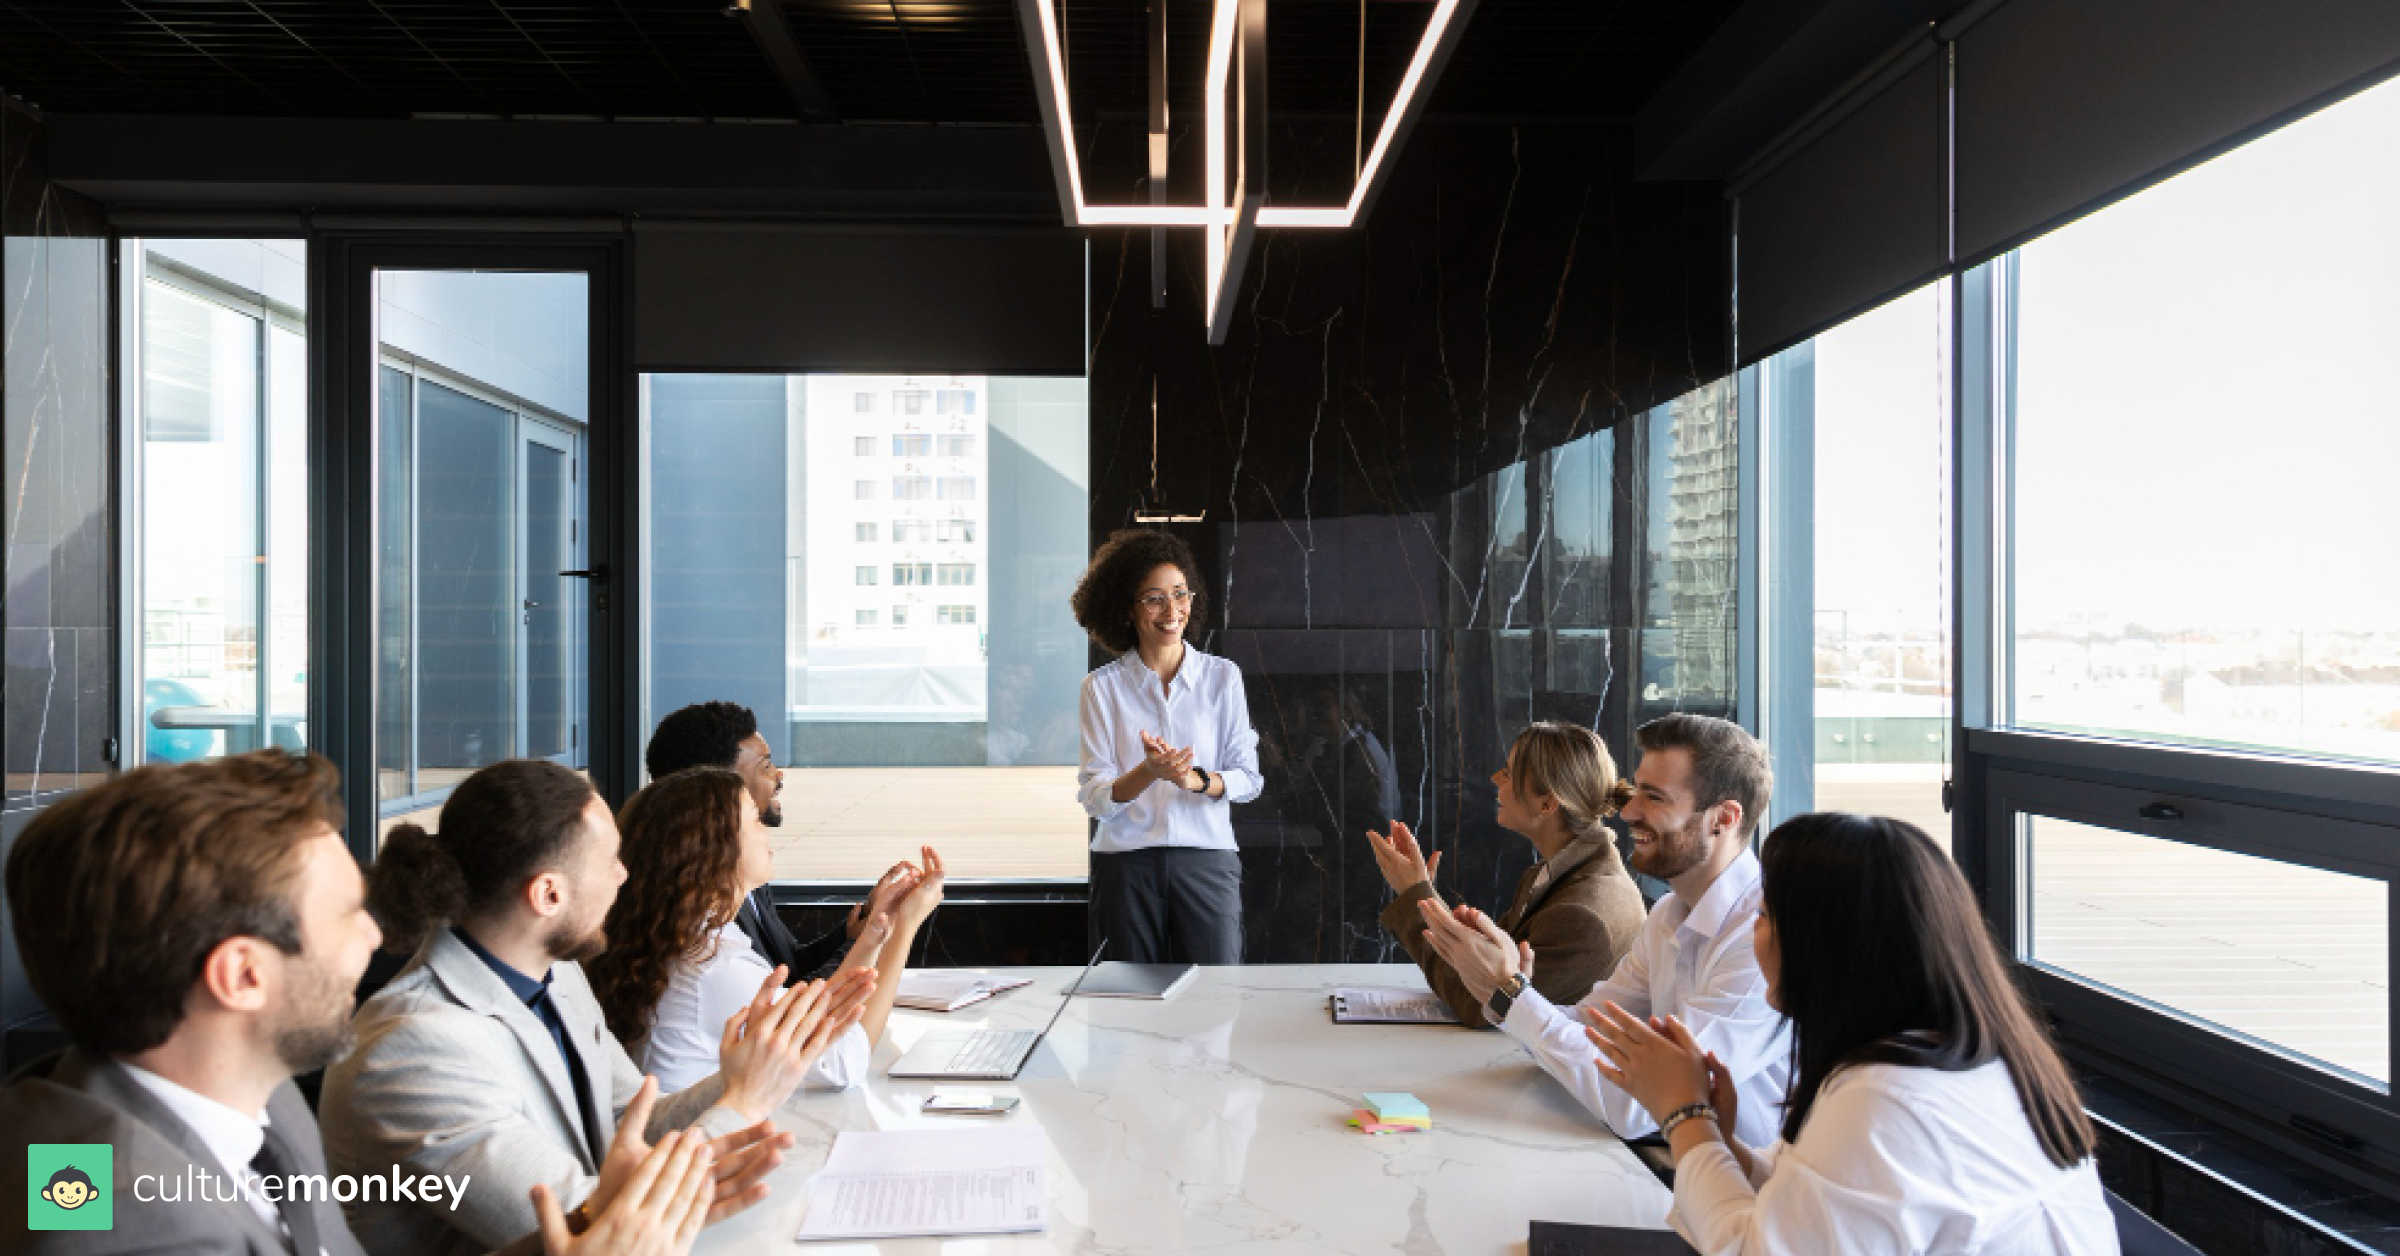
(1392, 1112)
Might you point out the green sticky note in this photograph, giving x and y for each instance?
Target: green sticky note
(70, 1186)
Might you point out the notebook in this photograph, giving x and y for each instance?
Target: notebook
(1117, 979)
(949, 989)
(1376, 1005)
(1557, 1238)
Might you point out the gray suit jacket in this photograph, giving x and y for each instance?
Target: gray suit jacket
(80, 1098)
(454, 1075)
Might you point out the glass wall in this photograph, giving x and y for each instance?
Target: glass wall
(217, 471)
(2295, 958)
(2194, 639)
(2204, 521)
(482, 621)
(878, 566)
(1859, 637)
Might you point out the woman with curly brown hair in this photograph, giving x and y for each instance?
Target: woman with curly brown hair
(1167, 746)
(678, 965)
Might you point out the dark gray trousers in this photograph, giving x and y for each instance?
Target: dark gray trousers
(1168, 905)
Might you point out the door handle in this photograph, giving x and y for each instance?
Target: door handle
(530, 604)
(599, 573)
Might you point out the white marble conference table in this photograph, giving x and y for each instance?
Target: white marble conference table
(1217, 1121)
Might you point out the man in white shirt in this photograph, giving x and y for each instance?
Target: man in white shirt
(1699, 790)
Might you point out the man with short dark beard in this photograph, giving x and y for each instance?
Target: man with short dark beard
(489, 1056)
(1699, 791)
(196, 929)
(725, 735)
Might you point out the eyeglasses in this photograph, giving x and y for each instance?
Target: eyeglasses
(1158, 601)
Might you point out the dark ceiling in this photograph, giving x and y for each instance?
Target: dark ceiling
(958, 62)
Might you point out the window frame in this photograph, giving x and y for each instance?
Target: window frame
(520, 413)
(2327, 811)
(131, 520)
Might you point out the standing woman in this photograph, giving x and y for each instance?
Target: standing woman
(1167, 745)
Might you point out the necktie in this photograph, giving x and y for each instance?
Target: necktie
(299, 1223)
(546, 1008)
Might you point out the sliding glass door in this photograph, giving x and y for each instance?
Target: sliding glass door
(481, 621)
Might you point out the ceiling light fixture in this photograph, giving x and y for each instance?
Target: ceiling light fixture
(1237, 45)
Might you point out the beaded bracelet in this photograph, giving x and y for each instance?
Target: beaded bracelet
(1666, 1128)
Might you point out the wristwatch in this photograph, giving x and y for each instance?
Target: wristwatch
(1505, 996)
(1202, 773)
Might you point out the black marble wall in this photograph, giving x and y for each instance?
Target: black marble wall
(59, 687)
(1460, 468)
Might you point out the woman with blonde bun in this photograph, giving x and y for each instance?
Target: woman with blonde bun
(1576, 908)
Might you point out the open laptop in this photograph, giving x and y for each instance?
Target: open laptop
(988, 1054)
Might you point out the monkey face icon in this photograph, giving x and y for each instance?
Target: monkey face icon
(70, 1188)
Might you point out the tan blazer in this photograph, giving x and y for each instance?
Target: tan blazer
(1580, 909)
(453, 1074)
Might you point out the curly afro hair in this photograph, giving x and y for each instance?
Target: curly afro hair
(1103, 599)
(702, 735)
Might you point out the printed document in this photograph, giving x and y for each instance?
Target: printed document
(915, 1183)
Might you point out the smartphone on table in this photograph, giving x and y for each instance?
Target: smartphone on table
(968, 1103)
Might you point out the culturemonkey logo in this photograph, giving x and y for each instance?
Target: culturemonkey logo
(69, 1186)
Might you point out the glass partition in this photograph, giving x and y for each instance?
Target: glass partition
(482, 602)
(878, 568)
(218, 478)
(2204, 526)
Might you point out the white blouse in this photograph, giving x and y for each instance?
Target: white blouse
(1203, 708)
(690, 1021)
(1894, 1161)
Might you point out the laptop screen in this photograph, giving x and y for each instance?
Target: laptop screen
(1069, 997)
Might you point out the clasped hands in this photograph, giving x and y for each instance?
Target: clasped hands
(1657, 1061)
(1164, 762)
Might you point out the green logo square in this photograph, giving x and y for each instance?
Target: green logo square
(70, 1186)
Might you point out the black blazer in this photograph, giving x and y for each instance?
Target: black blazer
(774, 940)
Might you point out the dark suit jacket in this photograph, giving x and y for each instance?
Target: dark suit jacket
(77, 1098)
(766, 930)
(1579, 909)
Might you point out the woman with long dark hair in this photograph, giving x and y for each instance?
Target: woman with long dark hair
(1167, 746)
(1929, 1111)
(678, 965)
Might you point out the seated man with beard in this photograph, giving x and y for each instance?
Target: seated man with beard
(489, 1056)
(1699, 791)
(196, 929)
(725, 735)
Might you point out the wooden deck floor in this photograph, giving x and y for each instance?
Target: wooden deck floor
(2293, 956)
(845, 824)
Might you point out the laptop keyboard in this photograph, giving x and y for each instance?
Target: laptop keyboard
(991, 1051)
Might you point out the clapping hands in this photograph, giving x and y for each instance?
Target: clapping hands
(1404, 866)
(639, 1195)
(1165, 762)
(768, 1046)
